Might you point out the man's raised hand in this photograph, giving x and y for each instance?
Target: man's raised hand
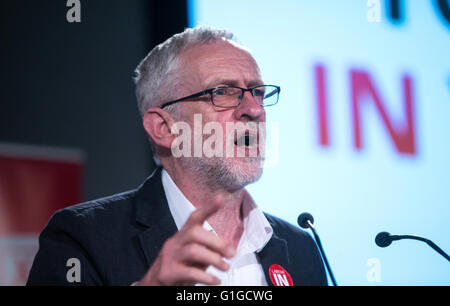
(185, 256)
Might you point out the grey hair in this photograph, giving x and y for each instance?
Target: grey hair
(156, 74)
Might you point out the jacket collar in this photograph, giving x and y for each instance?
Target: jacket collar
(275, 252)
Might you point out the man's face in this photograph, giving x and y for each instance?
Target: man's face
(222, 64)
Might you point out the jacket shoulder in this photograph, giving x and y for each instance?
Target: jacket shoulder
(100, 205)
(95, 222)
(285, 228)
(87, 232)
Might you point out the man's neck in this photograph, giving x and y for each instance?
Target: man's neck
(227, 221)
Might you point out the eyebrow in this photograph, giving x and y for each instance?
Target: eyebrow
(230, 82)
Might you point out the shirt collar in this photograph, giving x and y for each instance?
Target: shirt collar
(257, 230)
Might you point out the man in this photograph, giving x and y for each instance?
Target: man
(192, 221)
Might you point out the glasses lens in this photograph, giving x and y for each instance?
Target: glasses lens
(226, 96)
(267, 94)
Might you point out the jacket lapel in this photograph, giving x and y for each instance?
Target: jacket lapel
(152, 212)
(275, 252)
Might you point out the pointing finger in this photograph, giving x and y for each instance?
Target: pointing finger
(200, 215)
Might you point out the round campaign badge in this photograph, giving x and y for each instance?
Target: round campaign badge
(279, 276)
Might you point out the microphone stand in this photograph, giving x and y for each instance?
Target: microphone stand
(319, 244)
(427, 241)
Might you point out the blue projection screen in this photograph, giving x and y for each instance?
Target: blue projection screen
(360, 137)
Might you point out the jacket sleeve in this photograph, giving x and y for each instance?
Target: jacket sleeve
(62, 259)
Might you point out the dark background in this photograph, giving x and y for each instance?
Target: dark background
(69, 85)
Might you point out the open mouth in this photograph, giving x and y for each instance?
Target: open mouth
(247, 139)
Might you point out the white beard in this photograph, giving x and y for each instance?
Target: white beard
(222, 172)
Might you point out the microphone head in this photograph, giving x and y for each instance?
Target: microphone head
(303, 220)
(383, 239)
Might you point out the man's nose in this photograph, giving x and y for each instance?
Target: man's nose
(250, 109)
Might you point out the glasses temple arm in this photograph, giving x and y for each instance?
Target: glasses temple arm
(199, 94)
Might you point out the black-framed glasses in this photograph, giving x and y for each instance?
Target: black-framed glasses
(231, 96)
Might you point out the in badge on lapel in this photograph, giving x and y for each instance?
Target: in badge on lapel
(279, 276)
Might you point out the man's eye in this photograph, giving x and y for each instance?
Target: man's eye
(220, 91)
(258, 92)
(224, 91)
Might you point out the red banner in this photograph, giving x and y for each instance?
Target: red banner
(34, 183)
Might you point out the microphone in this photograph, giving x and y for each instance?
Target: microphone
(384, 239)
(306, 220)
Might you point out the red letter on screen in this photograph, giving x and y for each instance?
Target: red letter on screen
(403, 135)
(322, 105)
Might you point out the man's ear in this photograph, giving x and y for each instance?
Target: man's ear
(157, 123)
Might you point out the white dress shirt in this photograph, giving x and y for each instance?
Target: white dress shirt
(245, 269)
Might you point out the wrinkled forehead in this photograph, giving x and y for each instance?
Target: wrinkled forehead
(222, 60)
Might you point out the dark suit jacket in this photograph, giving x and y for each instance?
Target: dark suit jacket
(116, 239)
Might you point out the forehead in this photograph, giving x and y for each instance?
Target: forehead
(220, 63)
